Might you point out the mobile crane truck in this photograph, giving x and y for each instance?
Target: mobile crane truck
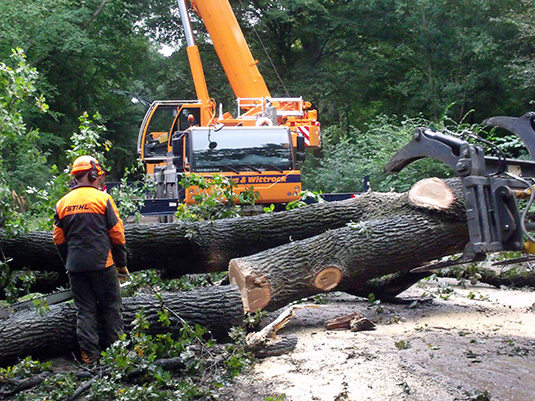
(258, 147)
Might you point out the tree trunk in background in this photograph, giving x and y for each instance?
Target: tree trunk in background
(183, 248)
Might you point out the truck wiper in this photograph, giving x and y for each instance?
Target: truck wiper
(231, 168)
(273, 167)
(251, 167)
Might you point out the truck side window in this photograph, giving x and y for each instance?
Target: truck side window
(194, 114)
(157, 135)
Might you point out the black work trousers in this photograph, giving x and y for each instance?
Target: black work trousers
(97, 296)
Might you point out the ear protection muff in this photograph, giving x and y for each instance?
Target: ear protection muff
(95, 172)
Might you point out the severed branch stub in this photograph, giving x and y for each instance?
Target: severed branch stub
(431, 193)
(328, 278)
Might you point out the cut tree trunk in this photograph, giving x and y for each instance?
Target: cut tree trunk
(183, 247)
(54, 332)
(391, 234)
(396, 232)
(347, 258)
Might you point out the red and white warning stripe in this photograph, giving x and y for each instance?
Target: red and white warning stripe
(305, 131)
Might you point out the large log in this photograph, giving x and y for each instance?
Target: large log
(396, 233)
(54, 332)
(197, 247)
(346, 259)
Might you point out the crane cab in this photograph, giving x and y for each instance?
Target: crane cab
(162, 119)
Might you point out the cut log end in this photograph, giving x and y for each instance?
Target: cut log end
(431, 193)
(328, 278)
(255, 290)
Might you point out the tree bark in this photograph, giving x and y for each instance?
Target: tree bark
(183, 247)
(395, 234)
(347, 258)
(54, 332)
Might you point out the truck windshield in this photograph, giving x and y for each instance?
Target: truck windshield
(241, 149)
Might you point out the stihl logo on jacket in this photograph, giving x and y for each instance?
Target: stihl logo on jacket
(88, 230)
(74, 208)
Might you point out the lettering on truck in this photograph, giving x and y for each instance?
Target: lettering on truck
(261, 180)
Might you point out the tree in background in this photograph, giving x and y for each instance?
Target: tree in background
(22, 164)
(348, 158)
(354, 60)
(83, 49)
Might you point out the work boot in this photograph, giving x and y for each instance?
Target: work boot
(89, 359)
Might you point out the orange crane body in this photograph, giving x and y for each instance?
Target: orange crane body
(187, 125)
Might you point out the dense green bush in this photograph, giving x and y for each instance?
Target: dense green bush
(347, 157)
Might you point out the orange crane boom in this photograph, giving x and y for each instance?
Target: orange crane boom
(232, 49)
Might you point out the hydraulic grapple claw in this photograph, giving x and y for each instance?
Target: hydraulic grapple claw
(523, 126)
(490, 185)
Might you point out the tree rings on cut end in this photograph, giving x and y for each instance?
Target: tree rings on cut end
(328, 278)
(431, 193)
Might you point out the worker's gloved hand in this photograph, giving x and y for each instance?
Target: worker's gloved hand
(123, 273)
(529, 247)
(122, 270)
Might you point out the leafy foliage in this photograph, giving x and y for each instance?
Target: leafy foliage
(215, 198)
(21, 163)
(305, 197)
(88, 139)
(25, 368)
(151, 281)
(129, 369)
(130, 194)
(350, 157)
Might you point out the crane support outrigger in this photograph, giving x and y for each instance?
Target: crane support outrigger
(259, 146)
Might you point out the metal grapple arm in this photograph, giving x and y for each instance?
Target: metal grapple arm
(489, 185)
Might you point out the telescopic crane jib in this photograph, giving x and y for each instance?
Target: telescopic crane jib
(253, 96)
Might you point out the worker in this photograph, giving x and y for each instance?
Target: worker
(89, 236)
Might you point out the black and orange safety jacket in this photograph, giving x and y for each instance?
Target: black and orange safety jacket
(88, 231)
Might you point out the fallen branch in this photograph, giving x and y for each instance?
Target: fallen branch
(259, 342)
(22, 385)
(355, 321)
(516, 276)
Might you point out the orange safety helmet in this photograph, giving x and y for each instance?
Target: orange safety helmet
(87, 163)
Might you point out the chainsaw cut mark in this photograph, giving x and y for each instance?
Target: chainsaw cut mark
(254, 289)
(431, 193)
(328, 278)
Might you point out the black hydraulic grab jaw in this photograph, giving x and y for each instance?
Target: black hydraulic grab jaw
(489, 183)
(523, 126)
(455, 152)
